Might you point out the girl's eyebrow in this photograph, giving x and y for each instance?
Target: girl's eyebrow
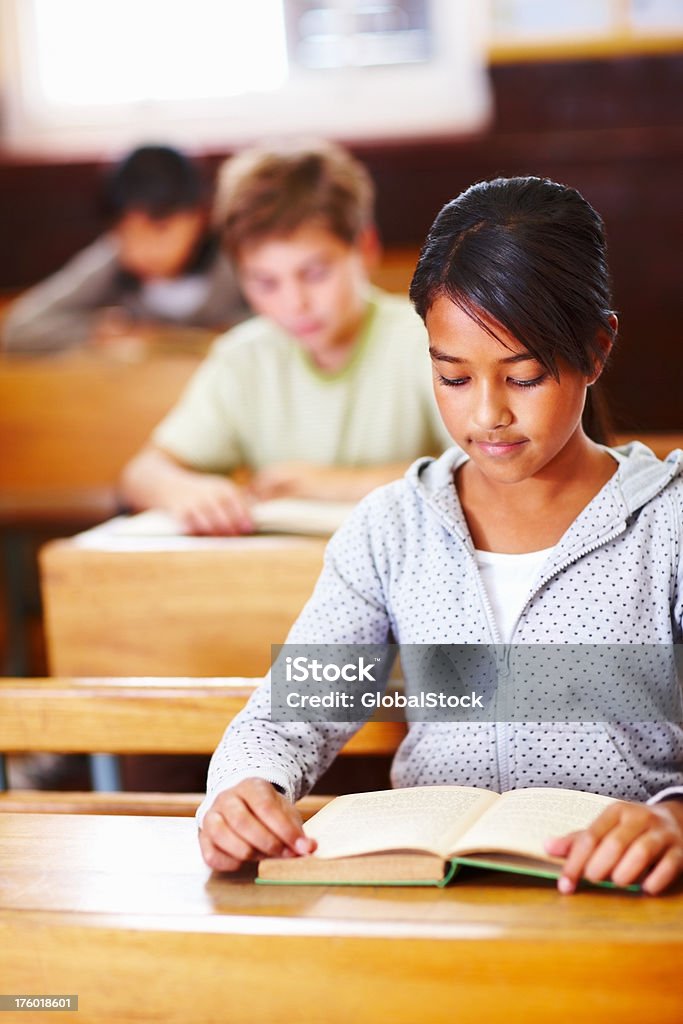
(443, 357)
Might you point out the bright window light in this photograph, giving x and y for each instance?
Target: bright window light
(89, 53)
(539, 18)
(90, 75)
(657, 15)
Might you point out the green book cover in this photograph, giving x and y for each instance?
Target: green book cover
(551, 871)
(423, 835)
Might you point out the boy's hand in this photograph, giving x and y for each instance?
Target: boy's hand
(325, 483)
(248, 822)
(293, 480)
(210, 505)
(626, 840)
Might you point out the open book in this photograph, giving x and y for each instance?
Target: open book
(420, 836)
(280, 515)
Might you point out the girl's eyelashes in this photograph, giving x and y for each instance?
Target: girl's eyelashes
(451, 382)
(529, 383)
(456, 382)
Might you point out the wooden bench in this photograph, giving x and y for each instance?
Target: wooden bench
(142, 716)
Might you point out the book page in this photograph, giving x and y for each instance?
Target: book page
(153, 530)
(523, 819)
(420, 818)
(299, 515)
(280, 515)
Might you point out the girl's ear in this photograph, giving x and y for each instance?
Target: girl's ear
(605, 342)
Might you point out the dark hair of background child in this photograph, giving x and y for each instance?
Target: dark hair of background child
(156, 180)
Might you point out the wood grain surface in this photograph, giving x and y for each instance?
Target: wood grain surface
(123, 912)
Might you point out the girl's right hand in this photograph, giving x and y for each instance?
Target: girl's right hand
(248, 822)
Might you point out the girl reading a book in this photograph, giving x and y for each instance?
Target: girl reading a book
(529, 531)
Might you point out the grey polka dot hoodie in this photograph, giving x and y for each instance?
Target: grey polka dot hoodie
(403, 566)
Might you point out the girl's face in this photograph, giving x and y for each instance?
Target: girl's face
(512, 418)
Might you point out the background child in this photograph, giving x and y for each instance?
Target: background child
(327, 393)
(528, 533)
(159, 265)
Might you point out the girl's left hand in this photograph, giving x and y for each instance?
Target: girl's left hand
(626, 840)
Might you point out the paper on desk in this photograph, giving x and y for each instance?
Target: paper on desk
(155, 528)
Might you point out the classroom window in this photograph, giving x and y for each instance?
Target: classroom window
(239, 55)
(537, 29)
(358, 34)
(225, 70)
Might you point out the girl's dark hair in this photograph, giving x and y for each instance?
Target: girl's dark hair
(531, 255)
(159, 180)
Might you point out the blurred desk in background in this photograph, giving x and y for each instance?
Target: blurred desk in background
(68, 425)
(189, 606)
(660, 443)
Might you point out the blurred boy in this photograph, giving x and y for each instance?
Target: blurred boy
(327, 393)
(159, 267)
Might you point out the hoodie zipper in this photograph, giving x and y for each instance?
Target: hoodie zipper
(502, 727)
(502, 730)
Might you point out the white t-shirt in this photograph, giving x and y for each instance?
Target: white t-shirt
(175, 298)
(507, 580)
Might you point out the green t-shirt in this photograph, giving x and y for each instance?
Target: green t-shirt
(258, 399)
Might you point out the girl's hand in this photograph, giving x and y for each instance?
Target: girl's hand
(626, 840)
(248, 822)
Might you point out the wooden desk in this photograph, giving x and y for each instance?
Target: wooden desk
(660, 443)
(199, 607)
(395, 269)
(71, 422)
(123, 913)
(68, 425)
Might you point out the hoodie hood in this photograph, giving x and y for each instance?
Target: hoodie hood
(640, 475)
(639, 478)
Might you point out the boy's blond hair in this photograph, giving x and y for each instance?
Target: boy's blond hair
(264, 193)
